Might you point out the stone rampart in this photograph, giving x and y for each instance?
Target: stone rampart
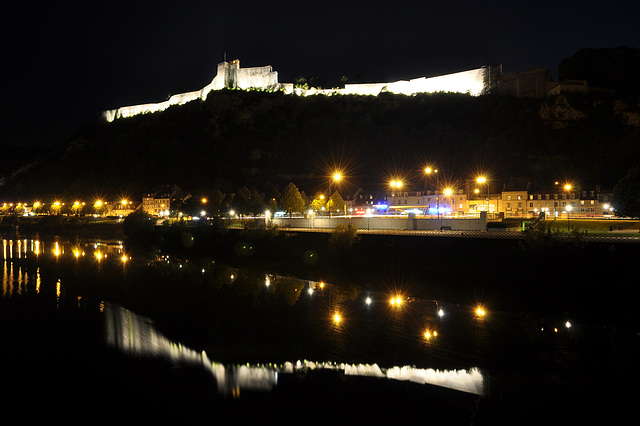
(230, 75)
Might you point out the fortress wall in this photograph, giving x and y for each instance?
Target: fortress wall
(258, 77)
(471, 82)
(366, 89)
(230, 75)
(179, 99)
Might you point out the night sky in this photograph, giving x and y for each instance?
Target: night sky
(68, 61)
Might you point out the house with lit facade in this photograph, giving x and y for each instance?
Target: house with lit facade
(156, 204)
(159, 201)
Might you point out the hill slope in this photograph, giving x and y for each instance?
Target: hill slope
(265, 140)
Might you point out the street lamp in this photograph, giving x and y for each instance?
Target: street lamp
(483, 180)
(567, 188)
(447, 193)
(428, 171)
(395, 184)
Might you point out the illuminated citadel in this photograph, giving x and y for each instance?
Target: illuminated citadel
(230, 76)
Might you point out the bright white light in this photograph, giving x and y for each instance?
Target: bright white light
(440, 313)
(568, 324)
(471, 82)
(368, 301)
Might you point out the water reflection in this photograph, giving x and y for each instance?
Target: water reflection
(138, 336)
(357, 331)
(344, 310)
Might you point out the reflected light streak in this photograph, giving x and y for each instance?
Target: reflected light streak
(137, 335)
(58, 292)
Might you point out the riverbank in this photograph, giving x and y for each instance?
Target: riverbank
(66, 227)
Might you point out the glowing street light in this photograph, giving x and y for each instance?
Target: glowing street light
(567, 188)
(429, 171)
(481, 180)
(447, 193)
(396, 301)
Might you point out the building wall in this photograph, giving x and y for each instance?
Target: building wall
(156, 206)
(385, 222)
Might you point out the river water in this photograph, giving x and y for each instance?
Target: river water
(92, 332)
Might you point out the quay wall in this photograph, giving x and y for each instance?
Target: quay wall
(386, 222)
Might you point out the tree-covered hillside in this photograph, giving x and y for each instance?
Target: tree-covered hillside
(264, 140)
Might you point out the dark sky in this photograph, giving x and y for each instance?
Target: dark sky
(65, 62)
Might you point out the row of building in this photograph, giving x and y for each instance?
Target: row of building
(513, 200)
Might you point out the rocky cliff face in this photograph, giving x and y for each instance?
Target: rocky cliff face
(563, 112)
(560, 113)
(629, 116)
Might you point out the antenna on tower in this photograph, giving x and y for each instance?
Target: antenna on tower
(225, 56)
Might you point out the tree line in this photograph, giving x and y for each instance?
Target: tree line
(252, 202)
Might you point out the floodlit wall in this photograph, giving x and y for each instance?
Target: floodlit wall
(385, 222)
(260, 77)
(472, 82)
(230, 75)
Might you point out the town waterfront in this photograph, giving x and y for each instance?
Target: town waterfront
(457, 330)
